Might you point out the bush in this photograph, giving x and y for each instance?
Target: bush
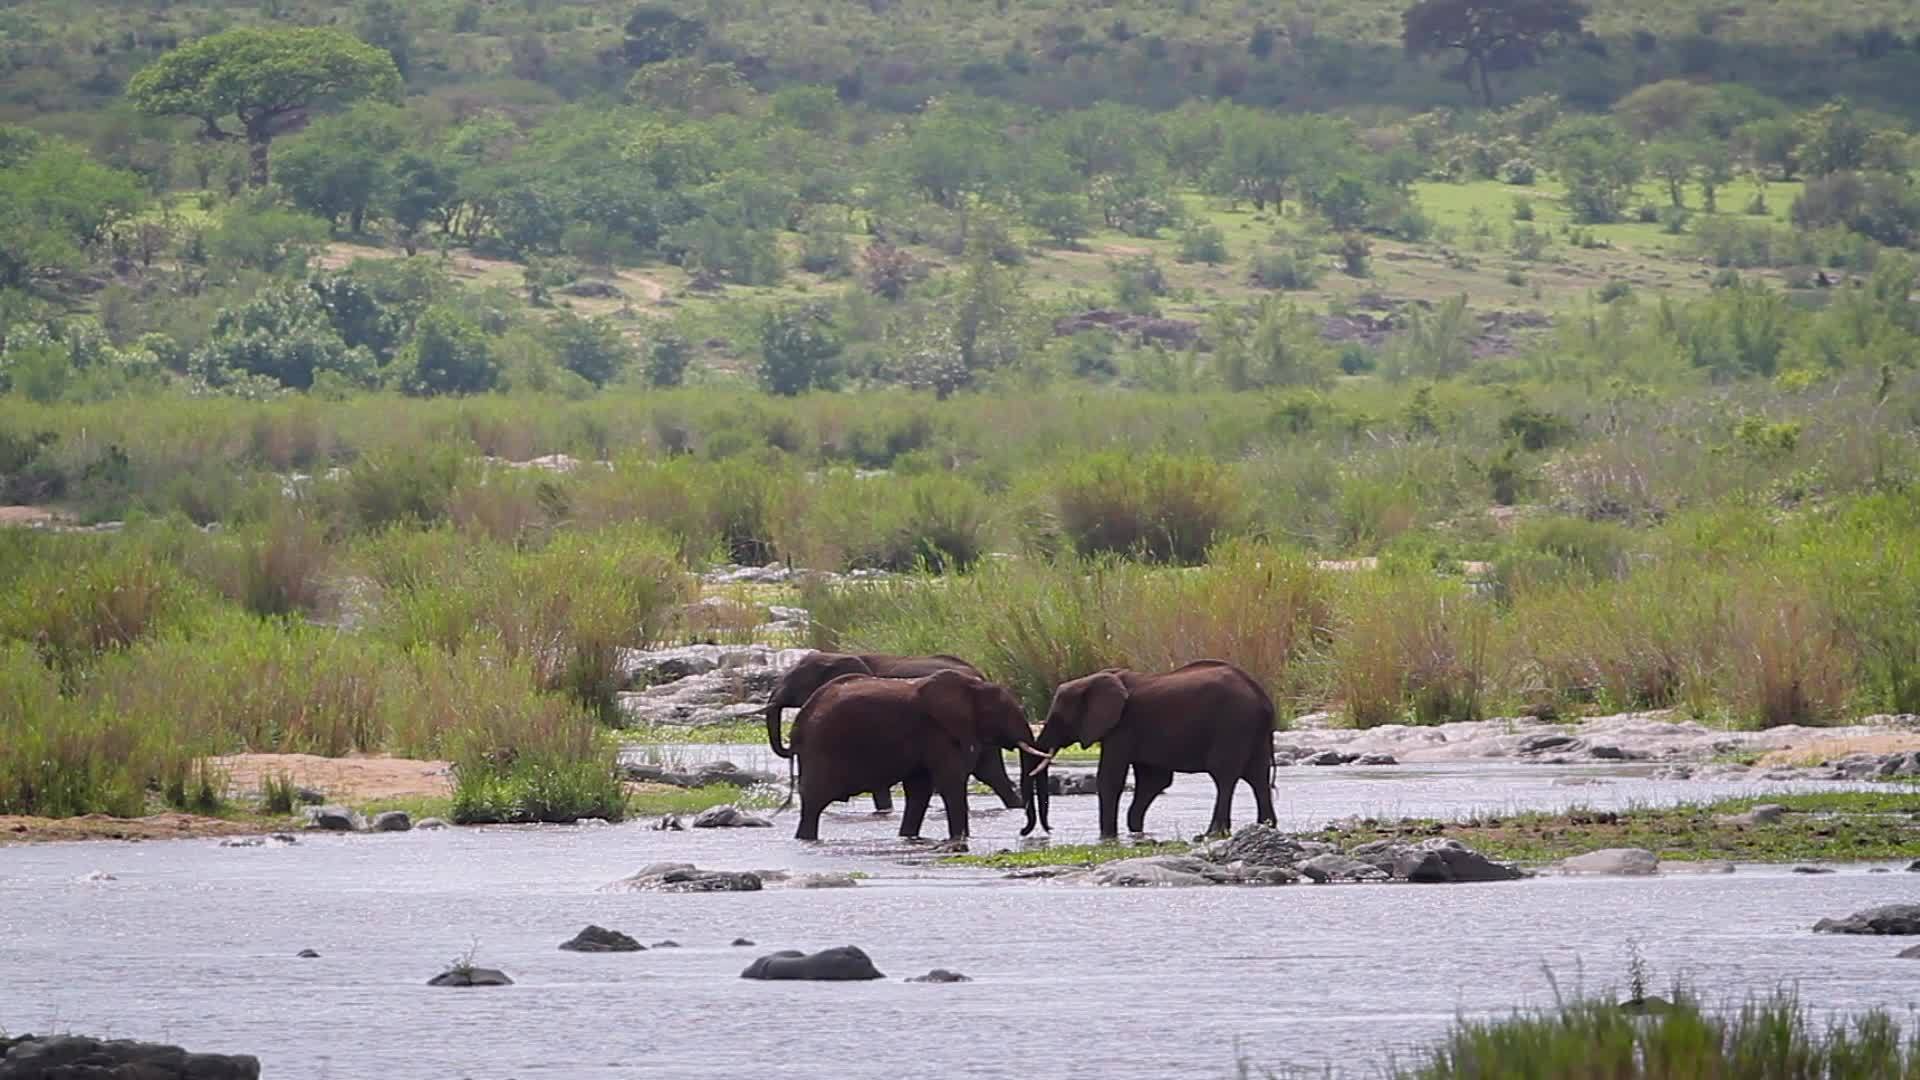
(1409, 648)
(846, 522)
(449, 354)
(77, 604)
(667, 358)
(798, 347)
(407, 484)
(1297, 269)
(1203, 244)
(1157, 507)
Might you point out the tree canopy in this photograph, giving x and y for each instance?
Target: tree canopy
(1494, 34)
(262, 79)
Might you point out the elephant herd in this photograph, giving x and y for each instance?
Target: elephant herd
(930, 723)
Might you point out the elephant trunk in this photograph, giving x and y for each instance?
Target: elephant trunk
(1034, 794)
(773, 728)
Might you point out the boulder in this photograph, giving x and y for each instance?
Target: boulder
(838, 879)
(430, 823)
(1814, 870)
(667, 944)
(75, 1057)
(307, 796)
(1376, 759)
(601, 939)
(1911, 952)
(334, 819)
(1264, 845)
(741, 942)
(714, 772)
(729, 816)
(1329, 757)
(1612, 861)
(1334, 867)
(669, 823)
(1436, 861)
(1551, 743)
(687, 878)
(1071, 783)
(1914, 867)
(940, 975)
(393, 821)
(845, 963)
(471, 976)
(306, 954)
(1894, 919)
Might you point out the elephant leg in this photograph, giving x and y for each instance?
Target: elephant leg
(809, 828)
(1109, 779)
(919, 797)
(1260, 778)
(954, 794)
(1223, 786)
(883, 800)
(1148, 782)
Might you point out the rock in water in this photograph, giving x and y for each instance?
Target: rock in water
(1332, 867)
(600, 939)
(471, 977)
(1612, 861)
(940, 975)
(838, 879)
(729, 816)
(740, 942)
(843, 964)
(74, 1057)
(431, 823)
(1161, 870)
(306, 954)
(1902, 919)
(1911, 952)
(1814, 870)
(685, 878)
(334, 819)
(667, 944)
(393, 821)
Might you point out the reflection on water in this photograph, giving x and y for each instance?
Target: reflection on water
(195, 943)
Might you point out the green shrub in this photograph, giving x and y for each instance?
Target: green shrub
(1157, 507)
(844, 521)
(405, 485)
(519, 756)
(1203, 244)
(1409, 648)
(84, 600)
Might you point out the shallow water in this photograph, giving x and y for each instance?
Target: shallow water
(194, 943)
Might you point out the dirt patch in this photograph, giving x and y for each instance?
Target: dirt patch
(1820, 750)
(38, 830)
(28, 516)
(346, 780)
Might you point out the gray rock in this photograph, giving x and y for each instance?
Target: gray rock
(740, 942)
(1914, 867)
(1264, 845)
(1911, 952)
(667, 944)
(1071, 783)
(843, 964)
(1814, 870)
(430, 823)
(308, 796)
(823, 880)
(334, 819)
(1376, 759)
(393, 821)
(1697, 866)
(1901, 919)
(715, 772)
(687, 878)
(466, 976)
(601, 939)
(1332, 867)
(244, 841)
(669, 823)
(729, 816)
(1151, 870)
(1437, 861)
(1329, 757)
(1607, 752)
(1627, 861)
(1764, 814)
(940, 975)
(75, 1057)
(306, 954)
(1554, 742)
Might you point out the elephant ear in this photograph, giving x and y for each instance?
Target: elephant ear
(947, 698)
(1101, 704)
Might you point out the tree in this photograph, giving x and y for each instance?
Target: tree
(797, 348)
(383, 24)
(341, 166)
(284, 334)
(263, 79)
(590, 348)
(421, 191)
(1062, 215)
(55, 204)
(1665, 108)
(1832, 138)
(1673, 163)
(449, 354)
(1494, 34)
(1597, 162)
(656, 33)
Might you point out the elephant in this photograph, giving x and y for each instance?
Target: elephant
(864, 733)
(844, 963)
(816, 669)
(1206, 716)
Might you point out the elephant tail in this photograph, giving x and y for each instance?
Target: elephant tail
(793, 781)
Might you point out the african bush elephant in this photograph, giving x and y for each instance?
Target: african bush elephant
(863, 733)
(816, 669)
(1207, 716)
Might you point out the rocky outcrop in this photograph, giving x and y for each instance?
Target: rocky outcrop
(1892, 919)
(1615, 861)
(940, 975)
(847, 963)
(600, 939)
(393, 821)
(1173, 333)
(76, 1057)
(1435, 861)
(334, 819)
(729, 816)
(702, 684)
(1335, 867)
(471, 976)
(687, 878)
(724, 773)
